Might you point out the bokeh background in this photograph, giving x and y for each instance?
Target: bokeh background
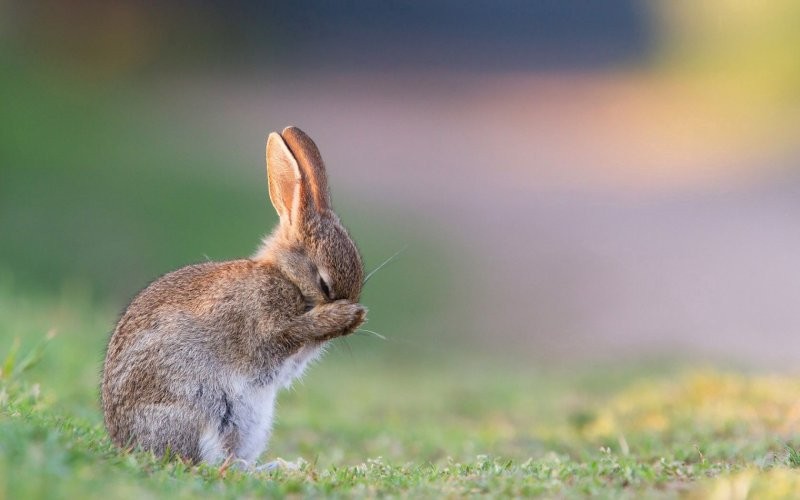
(572, 181)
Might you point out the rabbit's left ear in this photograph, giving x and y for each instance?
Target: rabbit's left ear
(315, 180)
(284, 179)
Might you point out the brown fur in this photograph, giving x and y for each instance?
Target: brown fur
(177, 358)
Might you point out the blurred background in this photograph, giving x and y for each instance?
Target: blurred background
(573, 181)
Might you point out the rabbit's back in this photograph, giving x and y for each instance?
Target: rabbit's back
(188, 348)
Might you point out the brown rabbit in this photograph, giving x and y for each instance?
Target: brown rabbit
(196, 360)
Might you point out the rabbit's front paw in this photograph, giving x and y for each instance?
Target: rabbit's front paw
(337, 318)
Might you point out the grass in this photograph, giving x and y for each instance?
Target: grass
(427, 425)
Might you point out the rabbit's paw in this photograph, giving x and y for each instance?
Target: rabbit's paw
(337, 318)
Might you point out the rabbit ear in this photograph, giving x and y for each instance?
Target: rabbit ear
(284, 178)
(310, 162)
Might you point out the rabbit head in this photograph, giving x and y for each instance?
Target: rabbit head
(310, 245)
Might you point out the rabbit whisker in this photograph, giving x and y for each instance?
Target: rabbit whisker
(385, 263)
(373, 333)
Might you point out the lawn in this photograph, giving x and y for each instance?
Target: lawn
(367, 422)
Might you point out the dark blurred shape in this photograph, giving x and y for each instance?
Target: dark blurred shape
(478, 35)
(474, 35)
(98, 38)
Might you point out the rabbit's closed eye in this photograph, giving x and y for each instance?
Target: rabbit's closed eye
(324, 287)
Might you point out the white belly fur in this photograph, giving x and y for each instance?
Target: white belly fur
(253, 409)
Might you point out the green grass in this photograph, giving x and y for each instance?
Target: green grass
(376, 424)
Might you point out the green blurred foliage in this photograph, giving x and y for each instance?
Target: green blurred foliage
(102, 190)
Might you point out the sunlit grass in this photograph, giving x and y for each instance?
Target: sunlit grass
(395, 423)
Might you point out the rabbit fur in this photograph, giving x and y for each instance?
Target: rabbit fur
(195, 362)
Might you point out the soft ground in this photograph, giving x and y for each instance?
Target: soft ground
(424, 426)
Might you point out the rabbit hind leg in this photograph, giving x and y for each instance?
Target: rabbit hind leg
(176, 429)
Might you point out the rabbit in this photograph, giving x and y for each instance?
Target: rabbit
(196, 360)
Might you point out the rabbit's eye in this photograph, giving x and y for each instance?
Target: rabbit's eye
(324, 287)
